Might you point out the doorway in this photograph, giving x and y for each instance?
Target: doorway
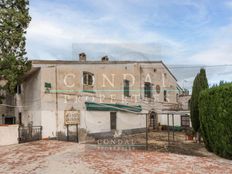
(113, 120)
(153, 120)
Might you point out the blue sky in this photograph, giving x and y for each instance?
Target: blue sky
(186, 32)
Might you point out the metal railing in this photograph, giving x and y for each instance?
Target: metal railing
(29, 133)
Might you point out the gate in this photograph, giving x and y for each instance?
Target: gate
(72, 133)
(29, 133)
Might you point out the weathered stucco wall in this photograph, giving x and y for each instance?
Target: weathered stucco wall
(29, 101)
(130, 121)
(159, 75)
(48, 103)
(163, 119)
(47, 108)
(183, 100)
(8, 134)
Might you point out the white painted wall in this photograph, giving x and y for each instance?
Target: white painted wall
(8, 134)
(163, 119)
(97, 121)
(48, 122)
(130, 121)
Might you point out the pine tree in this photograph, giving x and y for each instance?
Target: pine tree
(200, 83)
(14, 20)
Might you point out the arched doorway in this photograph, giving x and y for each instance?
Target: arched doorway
(152, 120)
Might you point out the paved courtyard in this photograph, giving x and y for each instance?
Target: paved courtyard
(65, 157)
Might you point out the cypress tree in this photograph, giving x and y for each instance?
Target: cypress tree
(200, 83)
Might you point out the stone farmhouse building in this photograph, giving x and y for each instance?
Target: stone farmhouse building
(105, 96)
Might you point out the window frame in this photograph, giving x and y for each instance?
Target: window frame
(158, 89)
(113, 120)
(86, 78)
(126, 88)
(148, 92)
(165, 95)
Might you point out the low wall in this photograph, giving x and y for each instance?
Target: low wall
(8, 134)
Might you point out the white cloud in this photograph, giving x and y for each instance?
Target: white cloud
(218, 51)
(229, 4)
(55, 27)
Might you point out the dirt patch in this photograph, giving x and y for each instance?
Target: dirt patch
(60, 157)
(138, 161)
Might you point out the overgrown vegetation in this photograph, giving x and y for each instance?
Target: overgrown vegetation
(14, 20)
(216, 119)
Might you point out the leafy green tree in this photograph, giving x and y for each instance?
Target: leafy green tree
(14, 20)
(200, 83)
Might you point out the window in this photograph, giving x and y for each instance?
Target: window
(88, 81)
(47, 86)
(88, 78)
(18, 89)
(153, 118)
(9, 120)
(165, 95)
(165, 75)
(126, 88)
(113, 120)
(189, 104)
(148, 90)
(185, 121)
(157, 89)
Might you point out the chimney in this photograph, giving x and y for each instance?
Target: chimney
(105, 59)
(82, 57)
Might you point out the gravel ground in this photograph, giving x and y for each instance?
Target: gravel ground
(48, 157)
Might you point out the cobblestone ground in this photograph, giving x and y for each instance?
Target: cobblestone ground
(64, 157)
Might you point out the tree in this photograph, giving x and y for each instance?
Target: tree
(14, 20)
(200, 83)
(216, 118)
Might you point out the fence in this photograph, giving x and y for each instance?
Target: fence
(29, 133)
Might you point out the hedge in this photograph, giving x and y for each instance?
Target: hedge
(215, 108)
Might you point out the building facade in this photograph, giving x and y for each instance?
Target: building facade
(105, 95)
(7, 110)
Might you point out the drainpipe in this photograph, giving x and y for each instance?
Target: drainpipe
(146, 133)
(56, 101)
(140, 81)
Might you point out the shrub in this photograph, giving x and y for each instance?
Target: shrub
(215, 108)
